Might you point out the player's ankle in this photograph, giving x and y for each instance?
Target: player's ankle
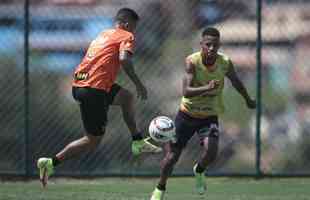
(56, 161)
(199, 169)
(137, 136)
(161, 187)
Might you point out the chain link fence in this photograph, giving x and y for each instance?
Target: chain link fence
(39, 116)
(285, 119)
(12, 124)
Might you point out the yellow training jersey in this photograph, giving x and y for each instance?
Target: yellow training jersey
(203, 106)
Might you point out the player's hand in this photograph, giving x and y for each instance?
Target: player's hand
(213, 84)
(251, 103)
(141, 92)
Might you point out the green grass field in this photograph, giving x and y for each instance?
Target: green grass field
(140, 189)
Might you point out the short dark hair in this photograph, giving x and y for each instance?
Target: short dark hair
(126, 14)
(211, 31)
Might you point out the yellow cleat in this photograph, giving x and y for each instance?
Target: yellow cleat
(157, 194)
(200, 181)
(144, 146)
(46, 169)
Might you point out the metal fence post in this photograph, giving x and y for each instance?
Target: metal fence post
(258, 87)
(26, 86)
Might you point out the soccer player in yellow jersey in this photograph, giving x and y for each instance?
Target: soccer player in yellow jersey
(201, 105)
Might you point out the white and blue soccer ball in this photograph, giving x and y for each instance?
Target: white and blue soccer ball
(162, 129)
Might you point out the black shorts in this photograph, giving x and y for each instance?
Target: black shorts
(186, 126)
(94, 106)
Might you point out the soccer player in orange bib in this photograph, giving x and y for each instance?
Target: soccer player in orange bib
(94, 89)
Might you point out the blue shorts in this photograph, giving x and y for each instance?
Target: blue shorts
(186, 126)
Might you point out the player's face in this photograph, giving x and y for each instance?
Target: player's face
(209, 45)
(131, 26)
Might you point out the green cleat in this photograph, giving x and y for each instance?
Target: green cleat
(46, 169)
(157, 194)
(200, 181)
(144, 146)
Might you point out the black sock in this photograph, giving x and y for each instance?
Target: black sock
(161, 187)
(137, 136)
(199, 168)
(55, 161)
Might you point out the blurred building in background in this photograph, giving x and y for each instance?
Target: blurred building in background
(60, 32)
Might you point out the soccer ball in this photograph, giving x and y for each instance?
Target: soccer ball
(162, 129)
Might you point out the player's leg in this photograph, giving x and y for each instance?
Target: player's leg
(209, 137)
(167, 164)
(93, 109)
(75, 148)
(94, 119)
(184, 132)
(126, 100)
(87, 143)
(173, 154)
(209, 153)
(210, 146)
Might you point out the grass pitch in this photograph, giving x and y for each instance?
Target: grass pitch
(140, 189)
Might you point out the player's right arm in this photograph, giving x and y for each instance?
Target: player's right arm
(188, 89)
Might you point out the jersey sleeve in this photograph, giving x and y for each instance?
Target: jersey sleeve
(128, 44)
(227, 63)
(191, 59)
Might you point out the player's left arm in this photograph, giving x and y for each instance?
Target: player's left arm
(125, 58)
(239, 86)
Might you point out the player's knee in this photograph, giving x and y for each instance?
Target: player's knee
(172, 157)
(95, 131)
